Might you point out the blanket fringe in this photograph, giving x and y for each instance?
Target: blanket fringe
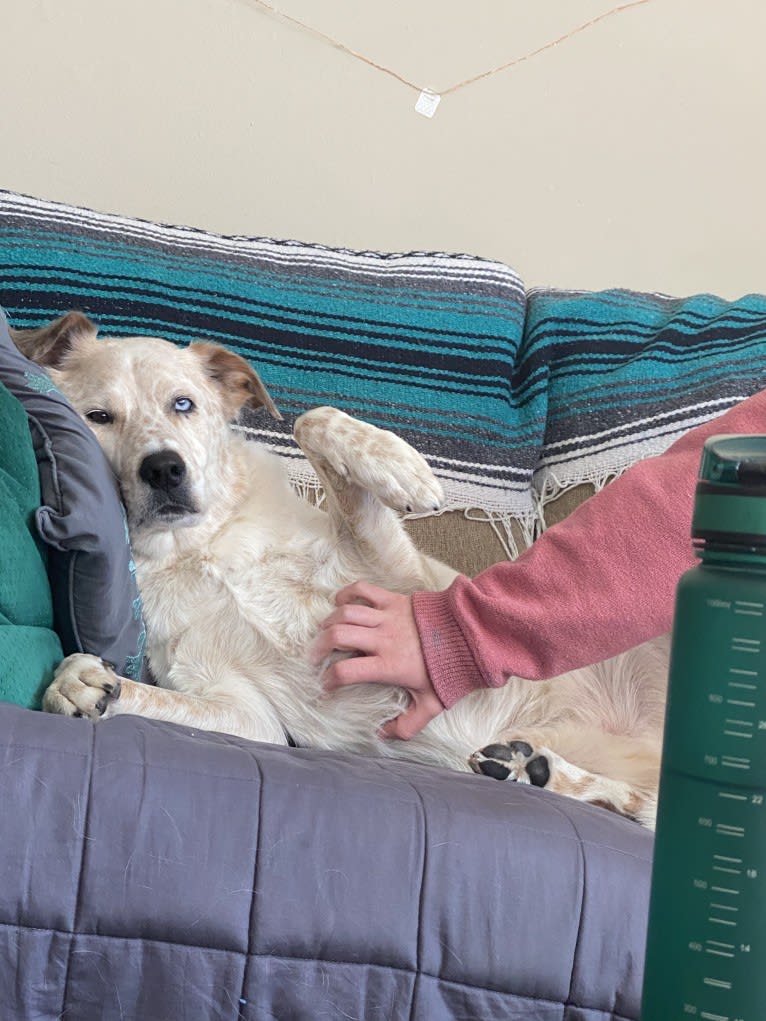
(506, 526)
(502, 526)
(553, 489)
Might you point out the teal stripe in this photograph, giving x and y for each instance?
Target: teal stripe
(315, 296)
(476, 330)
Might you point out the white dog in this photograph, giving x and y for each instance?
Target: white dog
(237, 571)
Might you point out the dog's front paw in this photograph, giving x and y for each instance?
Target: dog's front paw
(83, 685)
(516, 760)
(375, 459)
(403, 479)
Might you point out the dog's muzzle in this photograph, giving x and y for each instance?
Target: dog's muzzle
(164, 472)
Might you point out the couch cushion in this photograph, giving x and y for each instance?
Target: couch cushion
(95, 598)
(29, 647)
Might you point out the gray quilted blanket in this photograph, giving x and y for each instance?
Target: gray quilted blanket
(152, 873)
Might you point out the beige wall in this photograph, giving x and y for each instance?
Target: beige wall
(633, 154)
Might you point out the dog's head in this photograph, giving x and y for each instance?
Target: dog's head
(161, 413)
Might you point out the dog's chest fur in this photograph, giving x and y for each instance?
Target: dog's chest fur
(260, 606)
(270, 587)
(274, 597)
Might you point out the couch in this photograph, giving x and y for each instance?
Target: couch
(155, 873)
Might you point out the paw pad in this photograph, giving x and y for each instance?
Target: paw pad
(515, 761)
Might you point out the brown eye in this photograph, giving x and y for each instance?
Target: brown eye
(99, 417)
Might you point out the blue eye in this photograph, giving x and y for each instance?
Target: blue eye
(183, 405)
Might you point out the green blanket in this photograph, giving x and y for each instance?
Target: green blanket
(29, 648)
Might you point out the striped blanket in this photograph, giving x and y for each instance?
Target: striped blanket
(620, 375)
(510, 395)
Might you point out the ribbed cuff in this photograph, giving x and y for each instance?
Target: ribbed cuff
(448, 657)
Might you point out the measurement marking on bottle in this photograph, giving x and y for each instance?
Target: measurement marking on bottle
(717, 983)
(724, 830)
(718, 949)
(748, 609)
(707, 1016)
(741, 684)
(725, 889)
(735, 762)
(742, 672)
(737, 733)
(750, 646)
(724, 907)
(740, 702)
(722, 921)
(732, 797)
(728, 866)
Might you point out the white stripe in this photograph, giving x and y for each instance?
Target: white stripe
(640, 423)
(590, 465)
(276, 438)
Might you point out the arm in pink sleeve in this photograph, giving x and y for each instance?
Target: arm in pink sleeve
(596, 584)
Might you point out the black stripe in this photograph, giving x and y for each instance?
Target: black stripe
(239, 305)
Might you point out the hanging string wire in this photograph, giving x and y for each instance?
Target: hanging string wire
(467, 81)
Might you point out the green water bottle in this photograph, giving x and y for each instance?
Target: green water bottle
(706, 943)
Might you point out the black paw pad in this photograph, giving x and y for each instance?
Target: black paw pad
(522, 747)
(512, 760)
(538, 771)
(494, 769)
(498, 751)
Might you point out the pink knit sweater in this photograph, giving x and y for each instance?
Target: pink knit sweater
(596, 584)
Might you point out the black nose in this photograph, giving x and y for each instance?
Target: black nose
(163, 470)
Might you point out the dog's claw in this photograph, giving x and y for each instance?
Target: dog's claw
(83, 686)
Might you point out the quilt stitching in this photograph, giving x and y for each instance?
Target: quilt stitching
(315, 960)
(81, 871)
(256, 862)
(421, 900)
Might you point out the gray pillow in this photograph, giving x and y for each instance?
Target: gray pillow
(96, 605)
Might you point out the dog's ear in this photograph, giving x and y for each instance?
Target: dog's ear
(239, 382)
(49, 345)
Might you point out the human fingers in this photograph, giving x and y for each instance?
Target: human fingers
(371, 594)
(356, 670)
(359, 614)
(343, 638)
(412, 720)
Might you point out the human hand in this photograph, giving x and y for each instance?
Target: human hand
(381, 630)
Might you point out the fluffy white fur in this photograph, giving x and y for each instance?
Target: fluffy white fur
(238, 573)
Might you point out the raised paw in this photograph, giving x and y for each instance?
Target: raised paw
(516, 760)
(83, 685)
(375, 459)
